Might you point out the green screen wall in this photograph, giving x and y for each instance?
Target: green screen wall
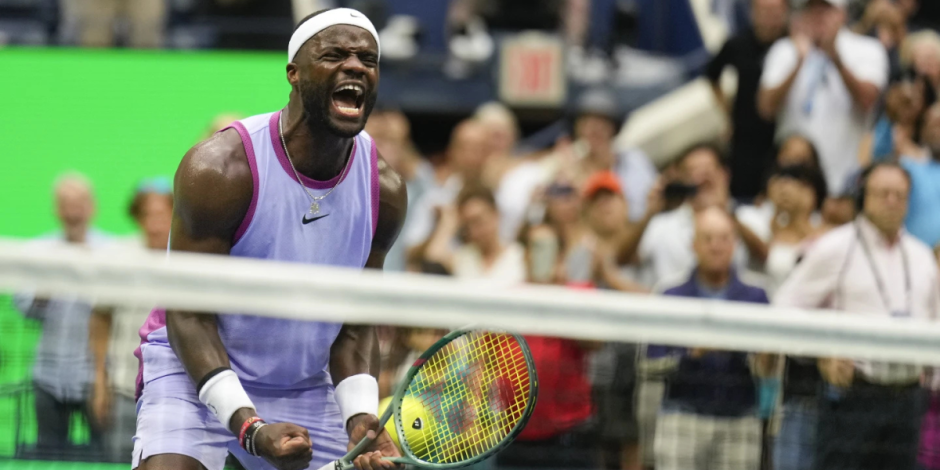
(116, 116)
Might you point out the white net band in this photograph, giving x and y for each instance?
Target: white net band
(216, 283)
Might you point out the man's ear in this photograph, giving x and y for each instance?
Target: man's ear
(293, 74)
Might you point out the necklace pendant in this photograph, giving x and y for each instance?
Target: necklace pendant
(314, 208)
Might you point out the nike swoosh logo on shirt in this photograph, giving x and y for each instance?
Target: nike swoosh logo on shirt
(307, 221)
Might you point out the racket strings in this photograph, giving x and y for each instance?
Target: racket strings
(474, 390)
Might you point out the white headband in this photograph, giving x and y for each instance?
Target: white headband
(324, 20)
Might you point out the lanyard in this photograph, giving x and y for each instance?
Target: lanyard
(881, 287)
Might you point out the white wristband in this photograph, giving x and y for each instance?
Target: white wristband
(224, 395)
(357, 395)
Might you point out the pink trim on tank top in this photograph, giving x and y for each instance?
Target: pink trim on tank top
(253, 165)
(285, 164)
(155, 321)
(375, 187)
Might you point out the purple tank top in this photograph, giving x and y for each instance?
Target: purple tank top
(269, 352)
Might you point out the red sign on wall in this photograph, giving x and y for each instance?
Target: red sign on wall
(532, 71)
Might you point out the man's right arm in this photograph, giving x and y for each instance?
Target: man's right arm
(631, 244)
(814, 280)
(213, 189)
(812, 285)
(780, 72)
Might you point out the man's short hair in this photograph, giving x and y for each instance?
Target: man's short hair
(476, 192)
(73, 179)
(712, 147)
(861, 185)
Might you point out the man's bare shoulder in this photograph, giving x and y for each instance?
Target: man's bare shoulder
(213, 184)
(219, 159)
(393, 205)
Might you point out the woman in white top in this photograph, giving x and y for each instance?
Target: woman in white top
(775, 233)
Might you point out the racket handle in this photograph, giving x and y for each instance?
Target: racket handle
(345, 463)
(340, 465)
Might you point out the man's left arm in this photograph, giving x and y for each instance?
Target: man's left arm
(864, 77)
(354, 355)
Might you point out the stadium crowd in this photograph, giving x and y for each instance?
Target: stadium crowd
(826, 194)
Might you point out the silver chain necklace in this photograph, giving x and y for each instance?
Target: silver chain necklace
(315, 200)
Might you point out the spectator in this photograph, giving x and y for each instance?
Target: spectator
(94, 22)
(466, 157)
(887, 22)
(482, 256)
(519, 187)
(752, 138)
(502, 131)
(920, 55)
(62, 373)
(559, 433)
(113, 333)
(896, 132)
(709, 413)
(662, 242)
(560, 246)
(823, 82)
(606, 215)
(597, 119)
(614, 365)
(797, 150)
(923, 217)
(775, 232)
(870, 415)
(392, 134)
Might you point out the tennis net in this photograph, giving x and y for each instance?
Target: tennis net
(625, 379)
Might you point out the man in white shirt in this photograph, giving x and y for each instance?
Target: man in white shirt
(822, 82)
(662, 241)
(62, 372)
(870, 414)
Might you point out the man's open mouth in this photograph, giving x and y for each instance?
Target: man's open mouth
(348, 99)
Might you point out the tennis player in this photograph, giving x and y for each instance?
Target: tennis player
(304, 184)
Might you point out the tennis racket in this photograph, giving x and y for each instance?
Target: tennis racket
(463, 400)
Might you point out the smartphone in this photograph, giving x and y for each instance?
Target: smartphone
(679, 191)
(543, 256)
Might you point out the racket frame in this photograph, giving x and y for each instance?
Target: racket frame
(393, 410)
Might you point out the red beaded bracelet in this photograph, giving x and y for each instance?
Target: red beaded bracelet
(245, 426)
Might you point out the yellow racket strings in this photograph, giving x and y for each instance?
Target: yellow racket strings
(473, 391)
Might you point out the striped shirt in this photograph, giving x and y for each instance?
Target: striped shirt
(63, 366)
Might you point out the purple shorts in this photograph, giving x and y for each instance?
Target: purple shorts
(171, 420)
